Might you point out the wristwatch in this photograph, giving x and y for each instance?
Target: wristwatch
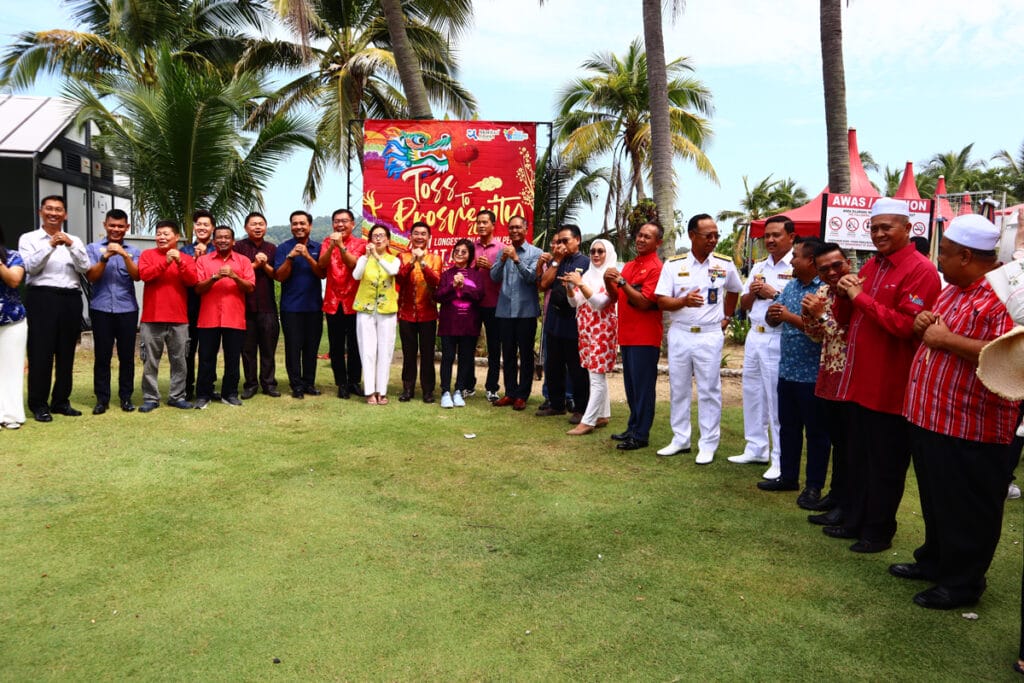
(823, 318)
(622, 282)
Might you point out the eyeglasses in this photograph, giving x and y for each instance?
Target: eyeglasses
(560, 241)
(594, 252)
(379, 236)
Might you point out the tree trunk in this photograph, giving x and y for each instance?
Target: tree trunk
(834, 80)
(407, 61)
(661, 137)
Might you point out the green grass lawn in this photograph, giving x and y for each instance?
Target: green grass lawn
(353, 542)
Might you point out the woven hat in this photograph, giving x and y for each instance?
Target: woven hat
(1001, 365)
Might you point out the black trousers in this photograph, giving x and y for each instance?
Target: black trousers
(344, 344)
(640, 378)
(800, 412)
(463, 348)
(563, 357)
(54, 325)
(493, 337)
(210, 340)
(109, 329)
(262, 331)
(837, 423)
(963, 488)
(879, 456)
(302, 333)
(418, 340)
(517, 357)
(193, 345)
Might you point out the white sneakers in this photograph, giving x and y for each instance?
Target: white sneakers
(774, 472)
(747, 459)
(673, 449)
(446, 400)
(1013, 493)
(457, 400)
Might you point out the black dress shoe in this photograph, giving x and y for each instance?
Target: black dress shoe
(833, 517)
(870, 546)
(624, 436)
(150, 406)
(65, 409)
(549, 412)
(779, 484)
(839, 532)
(428, 397)
(808, 498)
(576, 418)
(248, 393)
(127, 406)
(99, 409)
(940, 597)
(42, 415)
(297, 393)
(312, 391)
(824, 504)
(631, 444)
(908, 570)
(272, 393)
(343, 392)
(354, 390)
(405, 396)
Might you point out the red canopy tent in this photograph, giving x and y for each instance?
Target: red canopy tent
(807, 218)
(908, 184)
(943, 209)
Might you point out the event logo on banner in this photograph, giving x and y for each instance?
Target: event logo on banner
(443, 173)
(846, 220)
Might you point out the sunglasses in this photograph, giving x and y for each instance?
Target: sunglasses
(594, 252)
(560, 241)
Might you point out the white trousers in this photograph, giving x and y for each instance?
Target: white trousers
(599, 404)
(695, 355)
(12, 371)
(376, 335)
(761, 395)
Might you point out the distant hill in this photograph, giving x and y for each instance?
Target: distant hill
(321, 229)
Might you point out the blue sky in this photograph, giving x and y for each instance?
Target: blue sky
(921, 78)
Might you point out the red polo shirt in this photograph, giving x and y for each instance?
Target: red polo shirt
(636, 327)
(165, 293)
(224, 304)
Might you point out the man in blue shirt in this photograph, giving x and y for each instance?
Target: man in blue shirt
(517, 311)
(800, 410)
(297, 269)
(563, 353)
(113, 310)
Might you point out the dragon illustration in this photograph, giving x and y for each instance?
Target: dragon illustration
(414, 150)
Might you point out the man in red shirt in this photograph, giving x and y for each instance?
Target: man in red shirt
(959, 430)
(338, 255)
(168, 275)
(640, 332)
(225, 277)
(886, 296)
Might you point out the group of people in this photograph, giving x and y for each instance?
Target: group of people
(872, 370)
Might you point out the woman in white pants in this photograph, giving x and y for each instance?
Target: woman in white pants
(13, 335)
(376, 307)
(599, 330)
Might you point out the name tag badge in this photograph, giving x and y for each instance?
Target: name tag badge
(713, 295)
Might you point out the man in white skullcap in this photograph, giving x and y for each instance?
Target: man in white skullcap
(880, 304)
(959, 429)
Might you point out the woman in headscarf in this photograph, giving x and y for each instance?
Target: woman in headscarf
(598, 326)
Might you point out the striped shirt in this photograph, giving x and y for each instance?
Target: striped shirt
(944, 394)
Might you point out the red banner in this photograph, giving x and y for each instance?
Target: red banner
(444, 172)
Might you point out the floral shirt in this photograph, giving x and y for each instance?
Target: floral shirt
(11, 308)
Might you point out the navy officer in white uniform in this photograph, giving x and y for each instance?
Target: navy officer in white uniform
(700, 290)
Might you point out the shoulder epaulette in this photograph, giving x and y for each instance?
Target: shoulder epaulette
(721, 256)
(677, 257)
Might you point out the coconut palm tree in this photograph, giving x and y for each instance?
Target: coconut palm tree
(833, 76)
(352, 74)
(662, 177)
(608, 112)
(123, 37)
(179, 137)
(560, 194)
(962, 173)
(1013, 168)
